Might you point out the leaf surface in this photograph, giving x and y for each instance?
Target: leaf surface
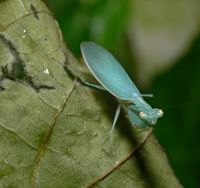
(53, 129)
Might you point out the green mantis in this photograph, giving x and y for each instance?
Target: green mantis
(113, 78)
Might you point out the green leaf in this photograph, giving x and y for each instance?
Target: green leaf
(53, 130)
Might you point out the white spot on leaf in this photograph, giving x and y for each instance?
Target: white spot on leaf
(46, 71)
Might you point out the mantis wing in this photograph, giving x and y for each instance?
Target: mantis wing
(108, 71)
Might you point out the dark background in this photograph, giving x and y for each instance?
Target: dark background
(171, 31)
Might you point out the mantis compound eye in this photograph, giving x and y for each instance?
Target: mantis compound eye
(142, 115)
(160, 113)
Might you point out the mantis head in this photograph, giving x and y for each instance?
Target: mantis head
(151, 116)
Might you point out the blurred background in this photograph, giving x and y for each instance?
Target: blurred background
(158, 43)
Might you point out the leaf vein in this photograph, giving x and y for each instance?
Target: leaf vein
(13, 132)
(120, 163)
(43, 146)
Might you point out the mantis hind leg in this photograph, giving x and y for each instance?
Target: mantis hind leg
(94, 85)
(113, 124)
(115, 119)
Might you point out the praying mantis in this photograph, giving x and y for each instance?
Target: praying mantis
(114, 79)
